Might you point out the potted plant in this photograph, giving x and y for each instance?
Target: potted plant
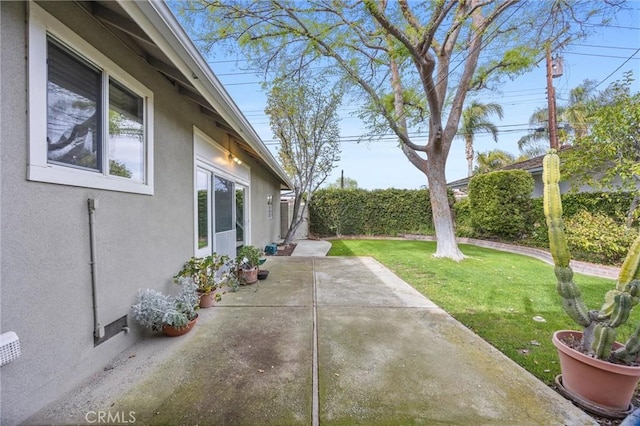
(598, 373)
(208, 273)
(248, 261)
(173, 315)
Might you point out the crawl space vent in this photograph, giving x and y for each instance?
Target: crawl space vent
(9, 347)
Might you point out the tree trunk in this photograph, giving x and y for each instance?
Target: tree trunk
(469, 154)
(296, 220)
(446, 245)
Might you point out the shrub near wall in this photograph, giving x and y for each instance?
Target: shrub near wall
(612, 204)
(594, 226)
(598, 238)
(500, 204)
(362, 212)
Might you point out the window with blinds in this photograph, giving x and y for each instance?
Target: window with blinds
(90, 121)
(74, 129)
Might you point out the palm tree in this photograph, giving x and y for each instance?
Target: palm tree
(493, 160)
(536, 142)
(475, 119)
(577, 112)
(573, 115)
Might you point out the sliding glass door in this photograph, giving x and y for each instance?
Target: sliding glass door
(204, 237)
(225, 218)
(241, 219)
(220, 214)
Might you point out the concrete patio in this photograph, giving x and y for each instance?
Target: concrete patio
(324, 340)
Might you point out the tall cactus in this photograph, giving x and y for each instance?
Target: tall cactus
(600, 326)
(568, 290)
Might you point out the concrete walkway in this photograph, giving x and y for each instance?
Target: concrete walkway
(324, 340)
(308, 247)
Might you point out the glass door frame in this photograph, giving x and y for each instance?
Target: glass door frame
(211, 172)
(211, 157)
(245, 215)
(206, 249)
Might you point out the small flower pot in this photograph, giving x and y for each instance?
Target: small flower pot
(250, 276)
(263, 274)
(172, 331)
(207, 300)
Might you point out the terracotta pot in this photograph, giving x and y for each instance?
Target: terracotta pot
(250, 275)
(207, 300)
(172, 331)
(601, 383)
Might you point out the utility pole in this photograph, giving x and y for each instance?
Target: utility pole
(554, 69)
(551, 99)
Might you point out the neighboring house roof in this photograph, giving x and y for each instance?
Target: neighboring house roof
(150, 29)
(532, 165)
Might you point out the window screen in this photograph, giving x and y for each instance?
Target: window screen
(224, 194)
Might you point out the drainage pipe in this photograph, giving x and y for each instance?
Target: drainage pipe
(98, 331)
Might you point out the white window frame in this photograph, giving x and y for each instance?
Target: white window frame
(270, 207)
(41, 25)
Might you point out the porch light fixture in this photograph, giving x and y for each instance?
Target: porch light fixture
(234, 159)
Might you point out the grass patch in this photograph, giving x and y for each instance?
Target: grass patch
(493, 293)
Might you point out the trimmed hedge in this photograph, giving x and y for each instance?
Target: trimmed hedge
(462, 215)
(594, 221)
(500, 204)
(363, 212)
(612, 204)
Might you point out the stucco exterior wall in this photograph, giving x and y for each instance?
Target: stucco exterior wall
(142, 240)
(565, 186)
(264, 230)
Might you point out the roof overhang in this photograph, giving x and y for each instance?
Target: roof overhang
(153, 31)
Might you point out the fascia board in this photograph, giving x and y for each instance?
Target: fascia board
(159, 23)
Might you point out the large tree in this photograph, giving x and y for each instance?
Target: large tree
(608, 155)
(413, 62)
(302, 113)
(475, 118)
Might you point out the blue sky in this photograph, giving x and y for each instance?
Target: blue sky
(602, 57)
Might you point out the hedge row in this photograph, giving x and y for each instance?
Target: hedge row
(593, 221)
(378, 212)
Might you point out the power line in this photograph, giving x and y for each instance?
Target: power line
(392, 137)
(599, 56)
(616, 70)
(599, 46)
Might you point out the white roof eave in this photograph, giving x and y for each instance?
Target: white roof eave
(157, 20)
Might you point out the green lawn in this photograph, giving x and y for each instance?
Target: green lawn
(495, 294)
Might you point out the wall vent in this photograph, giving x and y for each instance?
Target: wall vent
(111, 330)
(9, 347)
